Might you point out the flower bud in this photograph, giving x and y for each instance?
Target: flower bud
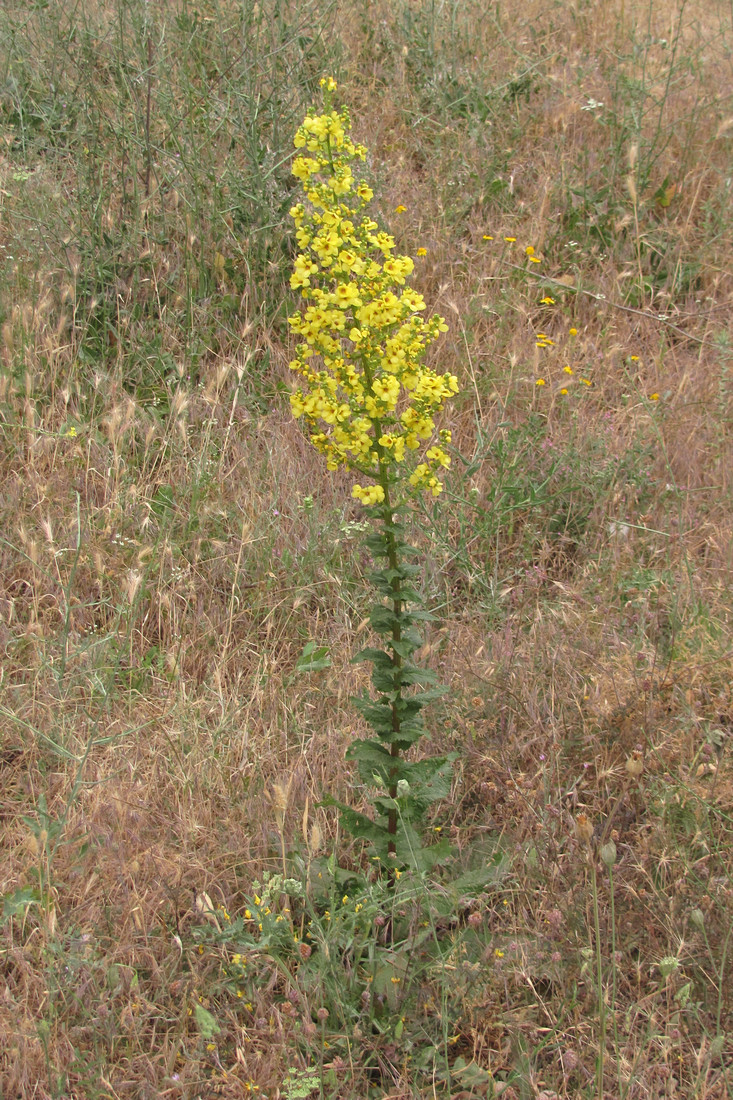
(583, 829)
(635, 765)
(608, 853)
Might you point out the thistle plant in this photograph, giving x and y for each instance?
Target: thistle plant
(369, 403)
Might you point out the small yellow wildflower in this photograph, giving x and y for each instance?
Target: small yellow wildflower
(535, 260)
(568, 369)
(547, 300)
(529, 250)
(498, 953)
(563, 390)
(634, 358)
(422, 251)
(540, 382)
(372, 494)
(573, 332)
(654, 397)
(397, 873)
(586, 382)
(400, 209)
(510, 240)
(71, 434)
(487, 237)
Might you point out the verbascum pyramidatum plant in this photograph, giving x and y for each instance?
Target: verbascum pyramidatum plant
(369, 404)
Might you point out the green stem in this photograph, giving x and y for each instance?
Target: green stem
(393, 559)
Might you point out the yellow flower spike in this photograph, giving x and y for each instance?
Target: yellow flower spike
(363, 336)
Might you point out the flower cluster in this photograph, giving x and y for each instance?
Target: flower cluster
(367, 397)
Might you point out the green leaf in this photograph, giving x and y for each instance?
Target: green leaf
(360, 826)
(313, 658)
(19, 903)
(162, 502)
(380, 658)
(205, 1022)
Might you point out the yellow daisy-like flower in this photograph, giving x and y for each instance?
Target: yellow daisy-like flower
(540, 382)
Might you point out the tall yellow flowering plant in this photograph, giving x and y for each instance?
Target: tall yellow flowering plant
(370, 403)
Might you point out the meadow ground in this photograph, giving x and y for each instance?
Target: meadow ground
(170, 544)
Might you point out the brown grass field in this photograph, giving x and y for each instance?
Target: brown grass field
(170, 542)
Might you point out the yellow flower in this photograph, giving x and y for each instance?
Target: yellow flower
(372, 494)
(540, 382)
(568, 370)
(422, 251)
(535, 260)
(654, 397)
(563, 390)
(547, 300)
(400, 209)
(510, 240)
(529, 250)
(487, 237)
(573, 332)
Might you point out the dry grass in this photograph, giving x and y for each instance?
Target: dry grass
(169, 543)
